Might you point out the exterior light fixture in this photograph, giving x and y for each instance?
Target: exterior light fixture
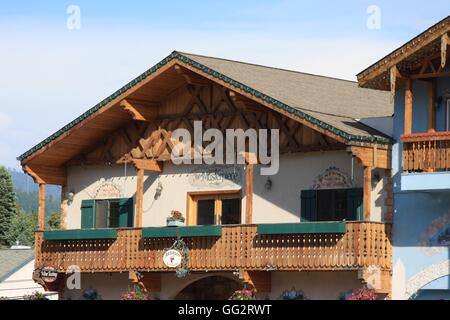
(159, 190)
(70, 196)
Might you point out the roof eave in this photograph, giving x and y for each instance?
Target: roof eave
(236, 84)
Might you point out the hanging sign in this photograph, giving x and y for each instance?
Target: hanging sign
(49, 274)
(172, 258)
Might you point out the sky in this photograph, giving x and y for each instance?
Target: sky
(60, 58)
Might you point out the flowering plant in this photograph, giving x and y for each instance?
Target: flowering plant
(175, 216)
(135, 294)
(362, 294)
(244, 294)
(35, 296)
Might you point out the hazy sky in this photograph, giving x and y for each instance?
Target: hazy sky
(50, 74)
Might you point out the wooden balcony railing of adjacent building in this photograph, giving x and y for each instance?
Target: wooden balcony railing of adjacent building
(343, 246)
(427, 152)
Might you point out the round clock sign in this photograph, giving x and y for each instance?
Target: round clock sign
(172, 258)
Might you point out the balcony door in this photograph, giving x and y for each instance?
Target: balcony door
(222, 208)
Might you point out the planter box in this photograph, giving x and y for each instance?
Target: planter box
(175, 223)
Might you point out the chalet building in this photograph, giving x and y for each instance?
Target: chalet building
(418, 77)
(321, 224)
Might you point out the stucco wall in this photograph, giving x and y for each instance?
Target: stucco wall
(111, 286)
(419, 217)
(280, 204)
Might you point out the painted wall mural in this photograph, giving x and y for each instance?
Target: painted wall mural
(436, 238)
(426, 276)
(217, 176)
(108, 190)
(332, 178)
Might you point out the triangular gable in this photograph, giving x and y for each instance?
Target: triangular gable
(178, 58)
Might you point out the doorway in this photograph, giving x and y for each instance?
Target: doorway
(210, 288)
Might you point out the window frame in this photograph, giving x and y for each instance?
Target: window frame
(217, 196)
(90, 211)
(108, 215)
(309, 204)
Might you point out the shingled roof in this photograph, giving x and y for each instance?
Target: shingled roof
(330, 103)
(12, 260)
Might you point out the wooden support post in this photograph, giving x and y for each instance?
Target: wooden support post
(249, 193)
(408, 106)
(41, 209)
(431, 105)
(139, 197)
(367, 192)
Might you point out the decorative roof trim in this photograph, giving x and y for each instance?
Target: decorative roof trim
(219, 76)
(416, 42)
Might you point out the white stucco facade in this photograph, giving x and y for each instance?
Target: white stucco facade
(280, 204)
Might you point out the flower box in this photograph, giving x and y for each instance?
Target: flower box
(175, 223)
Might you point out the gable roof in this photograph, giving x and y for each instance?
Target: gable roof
(417, 48)
(332, 104)
(13, 260)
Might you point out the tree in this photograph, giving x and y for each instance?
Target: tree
(22, 229)
(54, 221)
(8, 207)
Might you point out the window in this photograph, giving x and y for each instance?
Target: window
(214, 208)
(332, 205)
(103, 214)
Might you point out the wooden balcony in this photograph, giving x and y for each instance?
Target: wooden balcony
(291, 247)
(427, 152)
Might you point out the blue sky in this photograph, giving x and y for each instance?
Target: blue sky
(50, 74)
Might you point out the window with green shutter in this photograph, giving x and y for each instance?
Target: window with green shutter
(331, 205)
(109, 213)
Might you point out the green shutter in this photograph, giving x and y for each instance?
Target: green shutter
(126, 213)
(355, 205)
(87, 214)
(308, 206)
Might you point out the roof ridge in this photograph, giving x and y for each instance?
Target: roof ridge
(269, 67)
(185, 58)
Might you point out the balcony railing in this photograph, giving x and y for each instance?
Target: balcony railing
(358, 245)
(427, 152)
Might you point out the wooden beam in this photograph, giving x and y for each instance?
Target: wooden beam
(437, 74)
(394, 74)
(445, 42)
(249, 193)
(375, 157)
(408, 106)
(132, 110)
(367, 197)
(41, 208)
(37, 179)
(148, 165)
(139, 197)
(260, 281)
(431, 106)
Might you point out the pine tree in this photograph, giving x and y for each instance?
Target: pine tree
(8, 208)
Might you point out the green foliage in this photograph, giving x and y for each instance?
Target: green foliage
(8, 206)
(29, 201)
(54, 221)
(22, 229)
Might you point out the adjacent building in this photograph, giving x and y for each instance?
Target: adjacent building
(418, 77)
